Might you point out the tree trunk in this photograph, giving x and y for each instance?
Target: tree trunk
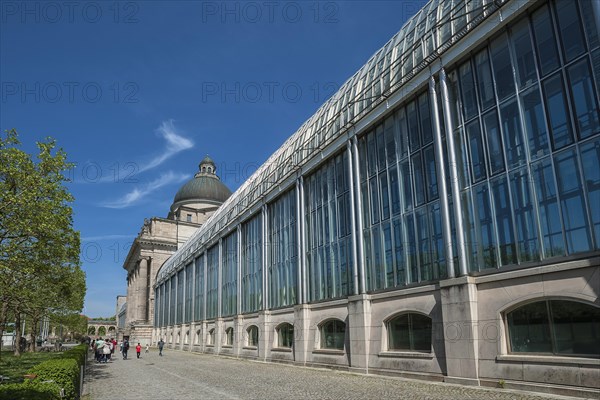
(32, 332)
(3, 313)
(17, 344)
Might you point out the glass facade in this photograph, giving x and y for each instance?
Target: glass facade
(251, 300)
(189, 293)
(283, 251)
(401, 215)
(229, 278)
(212, 282)
(199, 288)
(529, 122)
(329, 244)
(525, 119)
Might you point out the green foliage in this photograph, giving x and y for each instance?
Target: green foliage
(40, 271)
(30, 391)
(16, 367)
(63, 371)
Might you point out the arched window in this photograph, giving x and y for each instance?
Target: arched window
(92, 330)
(229, 336)
(253, 336)
(285, 335)
(555, 327)
(333, 333)
(211, 337)
(409, 332)
(198, 336)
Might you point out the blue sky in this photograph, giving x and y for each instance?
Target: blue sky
(137, 93)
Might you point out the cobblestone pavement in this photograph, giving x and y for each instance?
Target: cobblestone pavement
(183, 375)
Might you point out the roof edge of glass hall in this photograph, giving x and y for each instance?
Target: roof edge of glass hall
(433, 30)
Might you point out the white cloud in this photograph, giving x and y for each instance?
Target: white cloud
(140, 192)
(175, 143)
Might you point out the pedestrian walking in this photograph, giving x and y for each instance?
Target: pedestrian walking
(106, 352)
(147, 348)
(125, 348)
(138, 349)
(161, 344)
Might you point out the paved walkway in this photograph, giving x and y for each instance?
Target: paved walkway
(183, 375)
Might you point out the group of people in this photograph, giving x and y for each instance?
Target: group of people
(104, 349)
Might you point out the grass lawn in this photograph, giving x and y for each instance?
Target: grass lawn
(16, 367)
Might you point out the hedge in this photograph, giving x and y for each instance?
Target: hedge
(62, 372)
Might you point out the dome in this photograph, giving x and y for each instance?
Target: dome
(204, 187)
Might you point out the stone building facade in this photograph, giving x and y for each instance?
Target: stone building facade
(158, 239)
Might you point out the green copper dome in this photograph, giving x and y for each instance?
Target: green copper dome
(204, 187)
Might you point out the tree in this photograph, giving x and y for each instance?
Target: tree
(40, 272)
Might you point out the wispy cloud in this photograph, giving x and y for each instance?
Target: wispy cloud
(140, 192)
(176, 143)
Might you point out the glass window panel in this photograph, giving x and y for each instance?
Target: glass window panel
(467, 87)
(524, 59)
(419, 179)
(545, 40)
(385, 200)
(576, 327)
(535, 124)
(252, 336)
(525, 221)
(590, 160)
(380, 148)
(494, 142)
(529, 329)
(394, 190)
(549, 215)
(398, 333)
(438, 256)
(573, 42)
(401, 133)
(557, 112)
(399, 255)
(371, 153)
(430, 173)
(584, 99)
(377, 267)
(285, 336)
(485, 232)
(572, 203)
(388, 254)
(503, 71)
(421, 332)
(411, 248)
(423, 244)
(425, 114)
(590, 19)
(412, 332)
(333, 334)
(374, 194)
(406, 185)
(504, 222)
(251, 264)
(476, 151)
(390, 143)
(484, 80)
(413, 126)
(513, 136)
(362, 155)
